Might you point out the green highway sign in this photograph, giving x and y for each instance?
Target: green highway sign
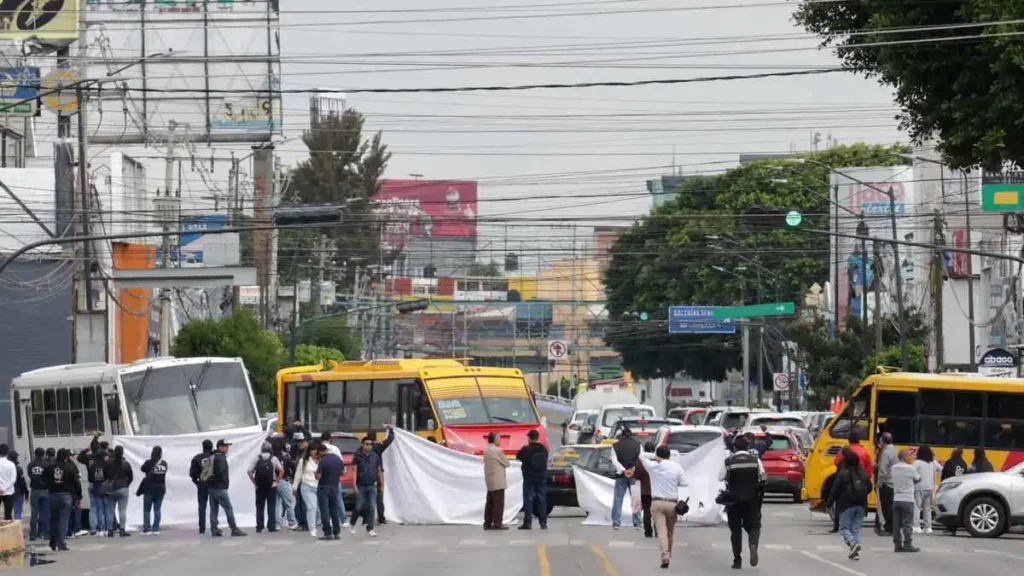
(1002, 191)
(755, 311)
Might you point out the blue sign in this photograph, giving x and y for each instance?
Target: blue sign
(19, 89)
(697, 320)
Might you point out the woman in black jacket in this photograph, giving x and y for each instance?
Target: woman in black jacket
(849, 494)
(955, 466)
(118, 473)
(153, 489)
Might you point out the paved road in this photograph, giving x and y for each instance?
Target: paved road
(795, 542)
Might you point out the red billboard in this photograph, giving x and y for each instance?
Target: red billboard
(444, 208)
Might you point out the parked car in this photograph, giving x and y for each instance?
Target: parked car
(643, 429)
(685, 439)
(574, 424)
(783, 460)
(561, 483)
(692, 415)
(612, 413)
(815, 422)
(985, 504)
(348, 444)
(772, 419)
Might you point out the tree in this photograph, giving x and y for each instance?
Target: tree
(308, 355)
(238, 335)
(692, 251)
(967, 92)
(342, 169)
(479, 269)
(333, 333)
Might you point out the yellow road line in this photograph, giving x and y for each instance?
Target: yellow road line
(606, 564)
(542, 559)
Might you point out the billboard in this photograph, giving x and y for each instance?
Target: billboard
(199, 249)
(19, 91)
(864, 191)
(211, 65)
(430, 208)
(46, 19)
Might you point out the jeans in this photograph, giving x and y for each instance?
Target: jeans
(60, 509)
(622, 485)
(39, 525)
(366, 501)
(117, 500)
(97, 510)
(903, 524)
(308, 494)
(327, 501)
(19, 506)
(152, 499)
(341, 502)
(266, 502)
(219, 499)
(74, 518)
(286, 504)
(851, 521)
(535, 500)
(202, 496)
(923, 508)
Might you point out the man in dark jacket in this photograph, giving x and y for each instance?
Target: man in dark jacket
(534, 457)
(63, 483)
(217, 489)
(641, 475)
(195, 471)
(744, 477)
(97, 503)
(849, 496)
(379, 448)
(39, 500)
(369, 476)
(627, 452)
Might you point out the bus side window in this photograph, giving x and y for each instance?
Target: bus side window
(896, 414)
(856, 415)
(17, 413)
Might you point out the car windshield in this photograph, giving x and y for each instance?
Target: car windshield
(691, 440)
(614, 415)
(567, 456)
(777, 421)
(188, 399)
(491, 410)
(580, 417)
(779, 444)
(734, 419)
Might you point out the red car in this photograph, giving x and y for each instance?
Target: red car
(348, 444)
(782, 457)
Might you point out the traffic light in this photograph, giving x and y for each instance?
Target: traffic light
(293, 215)
(644, 316)
(769, 217)
(412, 306)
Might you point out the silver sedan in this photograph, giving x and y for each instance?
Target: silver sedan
(985, 504)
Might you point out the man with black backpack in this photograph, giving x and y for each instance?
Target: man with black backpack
(200, 462)
(99, 491)
(265, 472)
(849, 495)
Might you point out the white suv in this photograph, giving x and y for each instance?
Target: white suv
(986, 504)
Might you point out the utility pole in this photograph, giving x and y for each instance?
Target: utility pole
(760, 365)
(877, 249)
(746, 363)
(234, 219)
(168, 217)
(264, 242)
(937, 285)
(83, 187)
(970, 279)
(898, 269)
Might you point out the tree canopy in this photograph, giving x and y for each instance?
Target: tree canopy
(692, 251)
(308, 354)
(961, 84)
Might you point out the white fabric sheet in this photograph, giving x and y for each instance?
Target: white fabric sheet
(180, 506)
(702, 467)
(429, 484)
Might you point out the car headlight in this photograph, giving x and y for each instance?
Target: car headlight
(946, 486)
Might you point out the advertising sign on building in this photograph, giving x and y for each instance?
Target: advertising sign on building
(19, 91)
(46, 19)
(998, 363)
(445, 208)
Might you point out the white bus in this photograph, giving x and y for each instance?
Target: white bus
(65, 406)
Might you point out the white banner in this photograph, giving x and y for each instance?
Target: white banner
(180, 506)
(702, 467)
(429, 484)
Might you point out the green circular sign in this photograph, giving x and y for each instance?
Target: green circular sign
(643, 316)
(793, 218)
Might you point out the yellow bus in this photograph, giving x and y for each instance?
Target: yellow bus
(439, 399)
(943, 411)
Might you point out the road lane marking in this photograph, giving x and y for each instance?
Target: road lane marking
(472, 542)
(830, 548)
(999, 553)
(602, 558)
(578, 543)
(783, 514)
(778, 547)
(542, 559)
(424, 542)
(835, 565)
(621, 544)
(522, 542)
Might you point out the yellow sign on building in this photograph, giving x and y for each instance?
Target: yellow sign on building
(44, 19)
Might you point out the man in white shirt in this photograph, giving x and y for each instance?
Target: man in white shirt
(8, 476)
(666, 479)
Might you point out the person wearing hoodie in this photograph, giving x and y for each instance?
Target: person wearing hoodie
(153, 489)
(39, 500)
(955, 466)
(63, 483)
(8, 478)
(849, 496)
(218, 482)
(195, 470)
(118, 473)
(266, 472)
(305, 483)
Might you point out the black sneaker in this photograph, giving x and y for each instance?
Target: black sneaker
(854, 551)
(543, 526)
(737, 563)
(336, 537)
(910, 548)
(664, 563)
(753, 556)
(216, 533)
(526, 527)
(202, 530)
(238, 533)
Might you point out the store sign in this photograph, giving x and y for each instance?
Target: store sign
(998, 363)
(44, 19)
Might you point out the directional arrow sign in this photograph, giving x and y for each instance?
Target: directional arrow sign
(755, 311)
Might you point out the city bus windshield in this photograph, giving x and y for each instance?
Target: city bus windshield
(490, 410)
(188, 399)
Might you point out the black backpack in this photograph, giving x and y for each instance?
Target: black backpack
(264, 472)
(859, 486)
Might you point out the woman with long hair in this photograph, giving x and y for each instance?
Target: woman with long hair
(285, 498)
(924, 491)
(119, 474)
(153, 489)
(981, 463)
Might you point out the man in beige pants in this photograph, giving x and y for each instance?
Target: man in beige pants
(666, 479)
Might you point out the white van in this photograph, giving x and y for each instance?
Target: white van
(612, 413)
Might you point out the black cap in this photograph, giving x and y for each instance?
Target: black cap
(223, 442)
(533, 434)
